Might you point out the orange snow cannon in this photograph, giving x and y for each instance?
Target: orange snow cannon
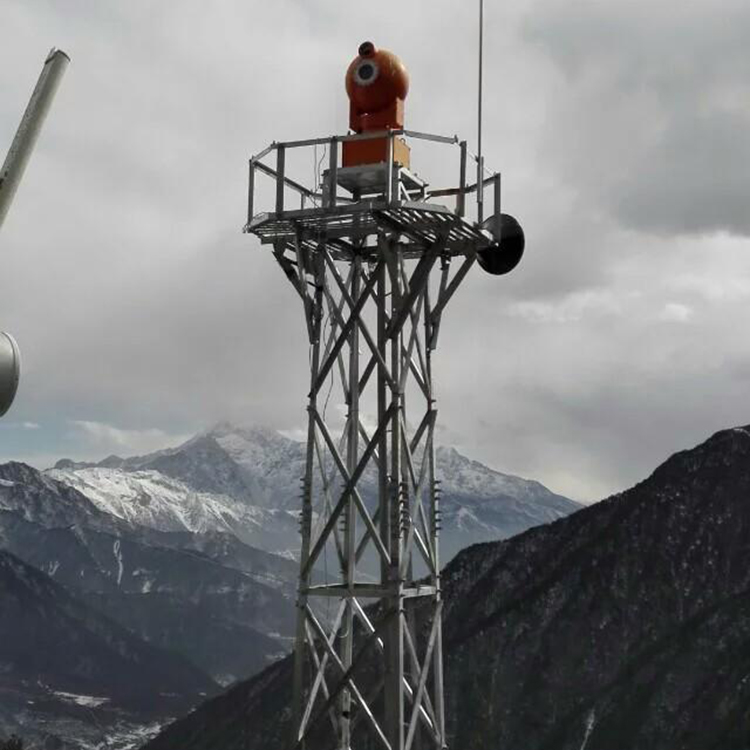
(377, 84)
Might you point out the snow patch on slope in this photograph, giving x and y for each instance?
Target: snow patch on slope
(118, 557)
(89, 701)
(148, 498)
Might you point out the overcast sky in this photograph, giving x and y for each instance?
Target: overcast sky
(623, 133)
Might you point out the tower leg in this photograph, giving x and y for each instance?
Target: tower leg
(370, 500)
(314, 315)
(394, 699)
(350, 519)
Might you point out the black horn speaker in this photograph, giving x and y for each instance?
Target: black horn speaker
(503, 255)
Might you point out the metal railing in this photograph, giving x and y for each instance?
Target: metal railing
(328, 197)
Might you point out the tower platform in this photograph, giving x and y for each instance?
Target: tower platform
(419, 223)
(352, 205)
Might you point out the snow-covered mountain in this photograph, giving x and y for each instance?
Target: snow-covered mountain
(254, 465)
(247, 480)
(203, 593)
(479, 504)
(147, 497)
(41, 499)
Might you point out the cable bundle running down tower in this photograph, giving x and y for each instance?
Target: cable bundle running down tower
(375, 261)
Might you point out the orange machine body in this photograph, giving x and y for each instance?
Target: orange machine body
(377, 84)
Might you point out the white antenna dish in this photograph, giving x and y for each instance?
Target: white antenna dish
(10, 370)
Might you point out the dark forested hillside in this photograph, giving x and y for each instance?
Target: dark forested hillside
(623, 626)
(61, 659)
(207, 596)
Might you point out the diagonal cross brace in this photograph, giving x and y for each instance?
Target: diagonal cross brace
(362, 327)
(320, 670)
(352, 480)
(424, 673)
(420, 276)
(346, 678)
(344, 335)
(427, 717)
(350, 488)
(449, 291)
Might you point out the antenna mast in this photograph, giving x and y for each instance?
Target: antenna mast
(480, 92)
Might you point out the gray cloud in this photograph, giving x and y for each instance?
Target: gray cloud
(653, 109)
(142, 312)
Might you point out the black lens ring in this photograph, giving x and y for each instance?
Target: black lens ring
(366, 71)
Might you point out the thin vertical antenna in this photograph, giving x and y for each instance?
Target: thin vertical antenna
(480, 158)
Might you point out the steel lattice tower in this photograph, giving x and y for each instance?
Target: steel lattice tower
(374, 271)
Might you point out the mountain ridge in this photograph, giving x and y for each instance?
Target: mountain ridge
(260, 468)
(623, 625)
(107, 561)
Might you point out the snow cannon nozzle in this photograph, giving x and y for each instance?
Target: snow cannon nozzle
(377, 84)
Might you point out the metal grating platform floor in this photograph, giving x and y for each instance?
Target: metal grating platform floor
(419, 223)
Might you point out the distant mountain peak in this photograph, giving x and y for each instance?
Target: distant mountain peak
(224, 428)
(237, 438)
(256, 467)
(226, 425)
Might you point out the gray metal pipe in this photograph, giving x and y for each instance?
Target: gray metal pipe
(10, 177)
(31, 124)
